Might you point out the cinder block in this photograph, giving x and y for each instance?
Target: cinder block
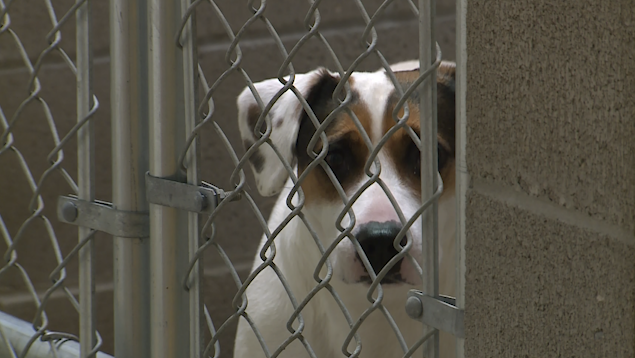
(288, 16)
(218, 293)
(537, 287)
(549, 102)
(32, 137)
(62, 316)
(31, 22)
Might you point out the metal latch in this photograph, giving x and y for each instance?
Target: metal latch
(439, 312)
(193, 198)
(102, 216)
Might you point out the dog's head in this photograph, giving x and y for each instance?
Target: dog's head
(350, 143)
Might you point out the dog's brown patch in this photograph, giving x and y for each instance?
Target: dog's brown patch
(400, 146)
(343, 136)
(256, 158)
(253, 113)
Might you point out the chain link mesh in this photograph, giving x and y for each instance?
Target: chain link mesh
(33, 240)
(211, 125)
(46, 179)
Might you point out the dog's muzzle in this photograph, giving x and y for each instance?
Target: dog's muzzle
(377, 241)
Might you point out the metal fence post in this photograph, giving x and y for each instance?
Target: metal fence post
(129, 108)
(462, 176)
(187, 41)
(169, 302)
(85, 177)
(429, 182)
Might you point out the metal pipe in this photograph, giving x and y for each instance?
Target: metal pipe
(15, 334)
(190, 97)
(85, 176)
(129, 111)
(462, 177)
(429, 170)
(169, 302)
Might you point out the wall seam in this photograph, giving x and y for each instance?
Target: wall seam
(250, 42)
(17, 298)
(521, 200)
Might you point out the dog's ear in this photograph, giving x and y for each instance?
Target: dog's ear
(286, 116)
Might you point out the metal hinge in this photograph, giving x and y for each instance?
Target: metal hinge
(439, 312)
(102, 216)
(193, 198)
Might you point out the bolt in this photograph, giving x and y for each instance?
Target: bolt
(414, 307)
(200, 200)
(69, 211)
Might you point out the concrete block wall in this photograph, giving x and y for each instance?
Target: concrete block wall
(238, 231)
(551, 154)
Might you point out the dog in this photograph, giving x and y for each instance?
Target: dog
(321, 324)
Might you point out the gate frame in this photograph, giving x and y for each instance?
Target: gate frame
(462, 175)
(130, 121)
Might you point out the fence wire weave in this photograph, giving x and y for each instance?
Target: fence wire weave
(286, 74)
(69, 133)
(34, 112)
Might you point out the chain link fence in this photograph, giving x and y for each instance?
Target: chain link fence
(181, 281)
(297, 326)
(31, 183)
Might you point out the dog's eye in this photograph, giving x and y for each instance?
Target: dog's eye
(339, 160)
(414, 158)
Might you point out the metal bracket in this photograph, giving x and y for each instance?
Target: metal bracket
(198, 199)
(439, 312)
(102, 216)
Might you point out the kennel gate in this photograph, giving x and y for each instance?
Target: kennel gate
(157, 114)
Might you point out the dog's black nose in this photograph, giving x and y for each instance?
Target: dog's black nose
(376, 239)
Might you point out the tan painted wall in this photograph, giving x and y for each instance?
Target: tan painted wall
(551, 153)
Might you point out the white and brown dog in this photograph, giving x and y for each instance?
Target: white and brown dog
(323, 325)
